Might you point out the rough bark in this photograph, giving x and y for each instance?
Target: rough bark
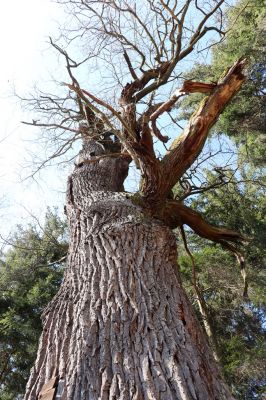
(121, 326)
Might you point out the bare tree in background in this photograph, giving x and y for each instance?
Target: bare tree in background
(121, 326)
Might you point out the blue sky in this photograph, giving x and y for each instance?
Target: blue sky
(26, 59)
(24, 28)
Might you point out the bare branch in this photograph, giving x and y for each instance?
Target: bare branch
(163, 108)
(131, 69)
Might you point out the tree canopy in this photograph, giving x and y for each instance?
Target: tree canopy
(153, 41)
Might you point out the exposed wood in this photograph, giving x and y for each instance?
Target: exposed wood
(50, 384)
(198, 87)
(158, 178)
(48, 395)
(47, 392)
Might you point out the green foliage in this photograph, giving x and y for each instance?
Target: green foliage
(30, 274)
(239, 326)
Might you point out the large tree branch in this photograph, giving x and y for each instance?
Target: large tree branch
(176, 214)
(130, 91)
(186, 148)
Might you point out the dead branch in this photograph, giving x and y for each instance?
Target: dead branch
(131, 69)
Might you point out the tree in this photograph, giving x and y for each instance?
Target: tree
(121, 326)
(31, 272)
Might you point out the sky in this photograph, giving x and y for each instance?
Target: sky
(25, 59)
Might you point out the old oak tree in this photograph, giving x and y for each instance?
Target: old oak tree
(121, 326)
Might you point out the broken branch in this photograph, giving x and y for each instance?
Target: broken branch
(186, 148)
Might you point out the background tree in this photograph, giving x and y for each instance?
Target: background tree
(121, 325)
(238, 326)
(30, 275)
(230, 187)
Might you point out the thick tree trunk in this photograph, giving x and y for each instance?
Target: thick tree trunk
(121, 326)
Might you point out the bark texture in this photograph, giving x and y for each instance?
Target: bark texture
(121, 326)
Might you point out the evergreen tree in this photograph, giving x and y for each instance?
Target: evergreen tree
(238, 325)
(30, 275)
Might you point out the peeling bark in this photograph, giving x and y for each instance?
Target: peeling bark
(121, 326)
